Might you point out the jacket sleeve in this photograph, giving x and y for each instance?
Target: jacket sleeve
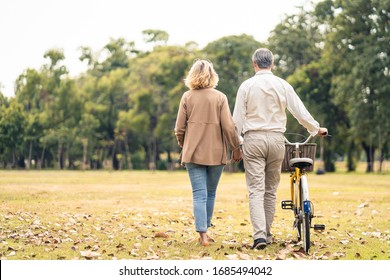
(181, 122)
(227, 124)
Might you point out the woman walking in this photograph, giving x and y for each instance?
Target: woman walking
(204, 127)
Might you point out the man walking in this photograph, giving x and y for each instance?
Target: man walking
(260, 116)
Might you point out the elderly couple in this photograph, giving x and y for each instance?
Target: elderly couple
(205, 126)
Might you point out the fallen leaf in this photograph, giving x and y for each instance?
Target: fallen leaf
(89, 254)
(300, 253)
(365, 204)
(161, 234)
(134, 252)
(244, 256)
(232, 257)
(338, 255)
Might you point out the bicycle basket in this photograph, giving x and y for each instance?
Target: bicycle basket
(307, 151)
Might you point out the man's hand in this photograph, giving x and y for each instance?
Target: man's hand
(323, 131)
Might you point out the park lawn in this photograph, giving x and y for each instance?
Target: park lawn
(56, 215)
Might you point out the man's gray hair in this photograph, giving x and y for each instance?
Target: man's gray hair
(263, 58)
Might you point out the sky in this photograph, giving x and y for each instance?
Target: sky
(28, 28)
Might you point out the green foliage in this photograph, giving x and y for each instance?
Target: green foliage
(295, 42)
(13, 122)
(357, 52)
(313, 83)
(121, 112)
(155, 36)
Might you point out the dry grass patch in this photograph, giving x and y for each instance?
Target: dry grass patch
(148, 215)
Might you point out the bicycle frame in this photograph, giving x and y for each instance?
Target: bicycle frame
(300, 202)
(297, 176)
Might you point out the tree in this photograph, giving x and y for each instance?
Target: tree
(296, 41)
(86, 133)
(12, 130)
(3, 98)
(297, 45)
(155, 36)
(118, 53)
(358, 53)
(313, 82)
(156, 86)
(61, 109)
(105, 91)
(29, 89)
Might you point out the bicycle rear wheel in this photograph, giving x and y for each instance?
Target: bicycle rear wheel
(304, 225)
(305, 230)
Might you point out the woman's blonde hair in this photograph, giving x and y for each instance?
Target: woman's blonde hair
(201, 75)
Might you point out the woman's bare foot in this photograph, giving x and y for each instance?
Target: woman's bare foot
(203, 239)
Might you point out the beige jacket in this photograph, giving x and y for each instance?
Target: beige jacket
(204, 127)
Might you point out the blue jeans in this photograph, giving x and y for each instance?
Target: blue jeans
(204, 181)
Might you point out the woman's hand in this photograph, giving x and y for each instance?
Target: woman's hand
(236, 155)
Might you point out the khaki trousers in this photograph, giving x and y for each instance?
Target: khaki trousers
(263, 157)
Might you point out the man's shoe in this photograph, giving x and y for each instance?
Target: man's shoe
(259, 243)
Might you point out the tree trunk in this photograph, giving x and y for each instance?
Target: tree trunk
(380, 148)
(169, 160)
(13, 165)
(42, 157)
(128, 155)
(351, 164)
(153, 153)
(59, 156)
(29, 155)
(369, 150)
(85, 147)
(115, 162)
(383, 154)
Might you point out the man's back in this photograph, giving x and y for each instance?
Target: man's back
(261, 105)
(265, 103)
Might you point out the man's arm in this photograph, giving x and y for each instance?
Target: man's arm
(296, 107)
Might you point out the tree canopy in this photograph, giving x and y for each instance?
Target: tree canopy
(120, 113)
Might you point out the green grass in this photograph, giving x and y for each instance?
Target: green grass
(68, 215)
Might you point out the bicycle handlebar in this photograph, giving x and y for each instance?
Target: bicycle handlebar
(302, 143)
(298, 143)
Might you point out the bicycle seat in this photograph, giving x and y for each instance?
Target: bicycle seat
(301, 162)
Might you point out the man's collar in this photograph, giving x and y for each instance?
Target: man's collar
(264, 71)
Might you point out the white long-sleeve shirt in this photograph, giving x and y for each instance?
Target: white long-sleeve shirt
(261, 104)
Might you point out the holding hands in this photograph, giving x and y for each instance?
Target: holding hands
(236, 155)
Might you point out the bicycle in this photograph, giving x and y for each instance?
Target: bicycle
(298, 160)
